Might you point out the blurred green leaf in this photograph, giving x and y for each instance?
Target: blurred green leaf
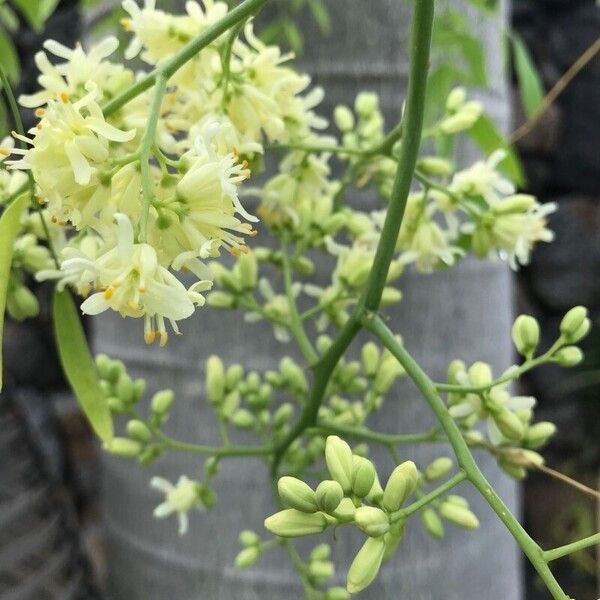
(320, 15)
(8, 18)
(9, 59)
(78, 364)
(530, 82)
(36, 12)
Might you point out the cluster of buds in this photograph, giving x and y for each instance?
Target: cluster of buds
(460, 115)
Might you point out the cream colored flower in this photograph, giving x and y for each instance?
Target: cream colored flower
(179, 499)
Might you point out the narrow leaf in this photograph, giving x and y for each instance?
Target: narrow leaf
(78, 365)
(9, 59)
(530, 82)
(10, 225)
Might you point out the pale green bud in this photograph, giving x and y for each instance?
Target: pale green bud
(388, 372)
(294, 523)
(343, 117)
(366, 103)
(524, 458)
(438, 468)
(526, 334)
(518, 203)
(115, 405)
(125, 389)
(293, 373)
(247, 557)
(390, 296)
(480, 373)
(432, 523)
(373, 521)
(320, 552)
(434, 165)
(337, 593)
(220, 300)
(328, 495)
(321, 570)
(481, 243)
(370, 358)
(366, 565)
(22, 304)
(123, 447)
(457, 122)
(139, 388)
(363, 476)
(297, 494)
(233, 375)
(459, 515)
(139, 431)
(376, 492)
(162, 402)
(230, 404)
(514, 471)
(338, 457)
(243, 419)
(249, 538)
(345, 511)
(509, 424)
(569, 356)
(400, 485)
(572, 321)
(537, 435)
(455, 369)
(456, 98)
(282, 415)
(248, 269)
(215, 380)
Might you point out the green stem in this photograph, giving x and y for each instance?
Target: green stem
(324, 428)
(592, 540)
(170, 66)
(428, 498)
(422, 23)
(375, 324)
(221, 451)
(145, 152)
(226, 61)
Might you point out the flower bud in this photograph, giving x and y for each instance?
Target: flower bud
(509, 424)
(370, 358)
(569, 356)
(366, 565)
(162, 402)
(376, 492)
(400, 485)
(249, 538)
(22, 304)
(459, 515)
(366, 103)
(343, 117)
(328, 495)
(123, 447)
(115, 405)
(388, 372)
(293, 373)
(480, 373)
(390, 296)
(337, 593)
(248, 270)
(297, 494)
(572, 321)
(434, 165)
(438, 468)
(215, 380)
(363, 476)
(344, 513)
(373, 521)
(125, 389)
(247, 557)
(432, 523)
(321, 570)
(526, 335)
(294, 523)
(456, 98)
(243, 419)
(220, 300)
(537, 435)
(338, 457)
(320, 552)
(518, 203)
(138, 430)
(456, 369)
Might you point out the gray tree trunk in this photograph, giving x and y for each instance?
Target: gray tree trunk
(465, 313)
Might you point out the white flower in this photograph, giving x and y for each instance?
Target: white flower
(179, 499)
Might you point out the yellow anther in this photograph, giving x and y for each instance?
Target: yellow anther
(4, 152)
(64, 97)
(149, 337)
(40, 112)
(108, 292)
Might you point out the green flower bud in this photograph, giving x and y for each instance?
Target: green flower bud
(337, 593)
(434, 165)
(293, 373)
(456, 98)
(432, 523)
(370, 358)
(320, 552)
(459, 515)
(248, 270)
(518, 203)
(438, 468)
(569, 356)
(297, 494)
(138, 430)
(243, 419)
(480, 373)
(390, 296)
(162, 402)
(321, 570)
(123, 447)
(376, 492)
(455, 369)
(572, 321)
(115, 405)
(388, 372)
(294, 523)
(373, 521)
(22, 304)
(282, 415)
(343, 117)
(400, 485)
(514, 471)
(211, 466)
(234, 374)
(366, 103)
(338, 457)
(583, 330)
(366, 565)
(537, 435)
(230, 404)
(220, 300)
(125, 389)
(249, 538)
(363, 476)
(247, 557)
(139, 388)
(328, 495)
(215, 380)
(481, 243)
(344, 513)
(509, 424)
(526, 335)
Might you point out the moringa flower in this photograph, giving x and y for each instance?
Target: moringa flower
(179, 499)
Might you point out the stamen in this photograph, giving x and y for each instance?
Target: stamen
(108, 292)
(64, 97)
(40, 112)
(4, 152)
(126, 24)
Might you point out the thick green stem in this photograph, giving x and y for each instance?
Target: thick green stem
(169, 67)
(375, 324)
(592, 540)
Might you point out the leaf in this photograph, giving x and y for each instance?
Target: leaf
(486, 135)
(78, 365)
(320, 15)
(36, 13)
(8, 18)
(293, 36)
(10, 225)
(530, 83)
(8, 57)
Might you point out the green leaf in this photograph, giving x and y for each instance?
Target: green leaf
(320, 15)
(530, 83)
(10, 225)
(8, 18)
(8, 57)
(487, 136)
(78, 365)
(293, 36)
(36, 12)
